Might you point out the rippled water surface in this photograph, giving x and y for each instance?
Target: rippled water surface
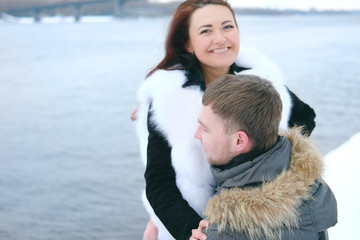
(69, 161)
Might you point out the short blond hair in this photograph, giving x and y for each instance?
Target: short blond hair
(248, 103)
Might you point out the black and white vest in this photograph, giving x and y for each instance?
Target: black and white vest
(175, 113)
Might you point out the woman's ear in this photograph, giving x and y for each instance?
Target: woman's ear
(188, 47)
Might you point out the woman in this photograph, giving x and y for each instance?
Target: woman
(202, 44)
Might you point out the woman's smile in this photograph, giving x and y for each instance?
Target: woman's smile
(221, 51)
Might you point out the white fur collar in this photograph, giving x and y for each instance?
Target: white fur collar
(175, 113)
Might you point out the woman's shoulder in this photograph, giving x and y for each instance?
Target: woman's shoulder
(164, 78)
(259, 64)
(164, 75)
(161, 83)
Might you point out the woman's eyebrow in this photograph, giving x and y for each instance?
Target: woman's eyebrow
(205, 26)
(227, 21)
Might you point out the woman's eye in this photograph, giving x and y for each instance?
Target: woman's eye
(205, 31)
(229, 26)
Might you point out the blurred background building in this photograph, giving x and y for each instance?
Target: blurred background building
(78, 8)
(148, 8)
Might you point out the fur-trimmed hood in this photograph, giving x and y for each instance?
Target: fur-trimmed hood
(268, 208)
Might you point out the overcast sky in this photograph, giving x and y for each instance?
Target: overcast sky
(295, 4)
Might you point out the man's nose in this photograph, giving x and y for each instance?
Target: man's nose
(197, 133)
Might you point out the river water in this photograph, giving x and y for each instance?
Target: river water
(69, 161)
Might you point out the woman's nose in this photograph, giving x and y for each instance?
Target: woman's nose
(219, 38)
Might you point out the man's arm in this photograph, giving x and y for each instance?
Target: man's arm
(161, 190)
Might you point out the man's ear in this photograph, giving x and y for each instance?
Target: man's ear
(243, 143)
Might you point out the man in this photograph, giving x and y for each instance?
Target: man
(268, 186)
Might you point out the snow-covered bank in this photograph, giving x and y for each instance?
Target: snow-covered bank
(342, 167)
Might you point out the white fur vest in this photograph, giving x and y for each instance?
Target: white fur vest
(175, 113)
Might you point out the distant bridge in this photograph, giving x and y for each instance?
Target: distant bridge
(37, 11)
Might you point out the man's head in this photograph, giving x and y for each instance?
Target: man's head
(240, 113)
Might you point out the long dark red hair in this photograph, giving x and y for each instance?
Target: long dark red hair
(176, 57)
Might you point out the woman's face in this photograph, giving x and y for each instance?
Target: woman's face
(213, 36)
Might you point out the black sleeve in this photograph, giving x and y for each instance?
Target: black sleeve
(301, 115)
(161, 190)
